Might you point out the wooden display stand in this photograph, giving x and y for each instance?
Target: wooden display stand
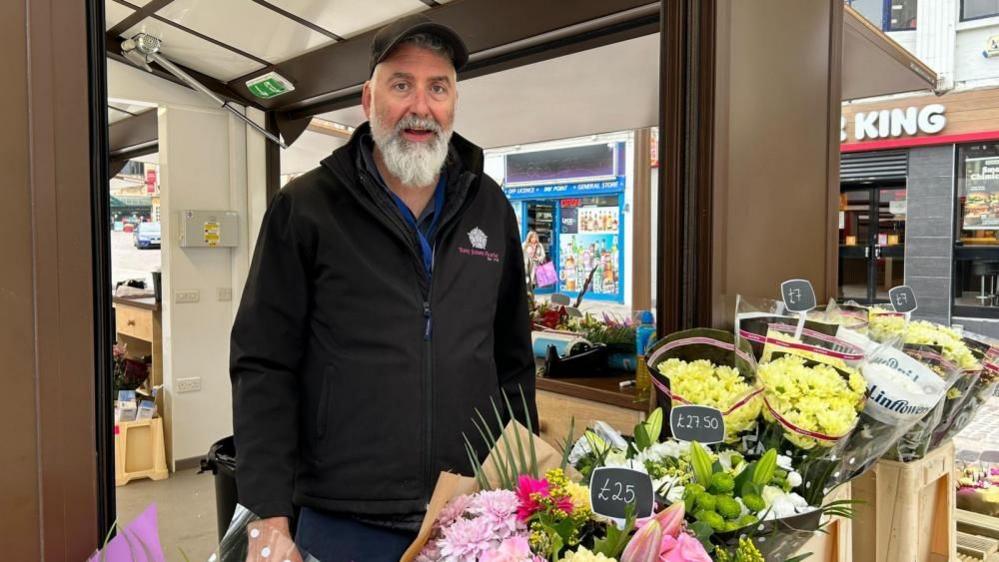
(139, 451)
(836, 543)
(907, 510)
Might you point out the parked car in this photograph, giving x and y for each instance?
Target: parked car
(147, 235)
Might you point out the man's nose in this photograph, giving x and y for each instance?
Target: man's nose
(420, 106)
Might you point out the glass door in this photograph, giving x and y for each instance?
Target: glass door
(855, 240)
(871, 243)
(889, 247)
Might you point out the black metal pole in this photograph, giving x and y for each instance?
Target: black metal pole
(100, 219)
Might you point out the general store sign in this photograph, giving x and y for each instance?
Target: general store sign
(546, 191)
(893, 123)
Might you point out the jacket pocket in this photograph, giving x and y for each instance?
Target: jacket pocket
(324, 403)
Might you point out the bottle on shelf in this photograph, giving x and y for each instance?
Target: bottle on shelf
(645, 334)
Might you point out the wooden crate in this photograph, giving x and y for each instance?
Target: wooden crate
(835, 545)
(139, 451)
(907, 511)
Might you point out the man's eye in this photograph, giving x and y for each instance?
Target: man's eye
(400, 86)
(438, 89)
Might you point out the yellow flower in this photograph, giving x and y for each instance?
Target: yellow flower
(816, 398)
(703, 383)
(921, 332)
(580, 496)
(583, 554)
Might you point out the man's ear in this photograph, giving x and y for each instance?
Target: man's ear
(366, 99)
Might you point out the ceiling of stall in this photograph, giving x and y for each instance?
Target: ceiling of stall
(226, 39)
(606, 88)
(611, 88)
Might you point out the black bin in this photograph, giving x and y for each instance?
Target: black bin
(221, 461)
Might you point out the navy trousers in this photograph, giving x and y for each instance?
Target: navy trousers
(335, 538)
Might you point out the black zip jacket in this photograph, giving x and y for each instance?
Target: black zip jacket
(354, 374)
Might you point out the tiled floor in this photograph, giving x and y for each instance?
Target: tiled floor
(185, 505)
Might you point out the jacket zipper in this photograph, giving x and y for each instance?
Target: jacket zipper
(428, 386)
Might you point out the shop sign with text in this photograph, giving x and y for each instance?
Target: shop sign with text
(894, 123)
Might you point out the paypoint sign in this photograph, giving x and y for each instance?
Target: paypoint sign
(892, 123)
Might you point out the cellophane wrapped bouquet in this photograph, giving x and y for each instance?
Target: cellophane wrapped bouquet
(959, 362)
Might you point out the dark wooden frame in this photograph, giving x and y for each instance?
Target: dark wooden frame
(686, 139)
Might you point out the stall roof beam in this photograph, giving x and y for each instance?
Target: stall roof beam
(499, 35)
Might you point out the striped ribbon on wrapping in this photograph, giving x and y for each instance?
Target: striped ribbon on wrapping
(698, 340)
(801, 431)
(851, 352)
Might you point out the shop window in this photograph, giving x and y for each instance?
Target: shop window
(977, 9)
(872, 10)
(976, 252)
(900, 15)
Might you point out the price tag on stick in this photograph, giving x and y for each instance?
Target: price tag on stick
(613, 489)
(903, 299)
(697, 423)
(799, 297)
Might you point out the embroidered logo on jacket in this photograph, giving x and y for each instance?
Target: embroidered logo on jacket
(478, 238)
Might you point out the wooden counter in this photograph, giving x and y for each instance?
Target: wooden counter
(586, 401)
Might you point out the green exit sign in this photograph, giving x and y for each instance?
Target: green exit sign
(269, 85)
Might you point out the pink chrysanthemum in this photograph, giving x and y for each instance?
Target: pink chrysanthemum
(454, 510)
(529, 490)
(466, 539)
(499, 507)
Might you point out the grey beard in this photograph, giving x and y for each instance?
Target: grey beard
(413, 164)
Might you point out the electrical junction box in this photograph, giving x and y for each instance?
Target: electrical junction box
(209, 229)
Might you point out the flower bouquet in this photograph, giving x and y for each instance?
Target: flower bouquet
(976, 395)
(525, 504)
(730, 501)
(851, 316)
(753, 318)
(703, 367)
(944, 351)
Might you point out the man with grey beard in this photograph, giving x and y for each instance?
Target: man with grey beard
(385, 305)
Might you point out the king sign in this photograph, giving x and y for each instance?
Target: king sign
(895, 122)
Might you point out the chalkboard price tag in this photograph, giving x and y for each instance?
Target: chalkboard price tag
(902, 298)
(612, 489)
(697, 423)
(798, 295)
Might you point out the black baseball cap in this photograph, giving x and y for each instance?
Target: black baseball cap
(394, 33)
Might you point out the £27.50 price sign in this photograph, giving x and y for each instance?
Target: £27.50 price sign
(613, 489)
(697, 423)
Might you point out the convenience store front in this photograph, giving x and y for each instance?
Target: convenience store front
(574, 198)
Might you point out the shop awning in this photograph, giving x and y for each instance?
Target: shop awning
(129, 201)
(875, 65)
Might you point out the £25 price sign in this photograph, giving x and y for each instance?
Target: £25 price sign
(613, 489)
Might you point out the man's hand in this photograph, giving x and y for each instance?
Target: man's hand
(270, 541)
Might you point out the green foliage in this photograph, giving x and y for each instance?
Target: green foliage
(613, 544)
(765, 468)
(507, 463)
(654, 424)
(701, 461)
(642, 440)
